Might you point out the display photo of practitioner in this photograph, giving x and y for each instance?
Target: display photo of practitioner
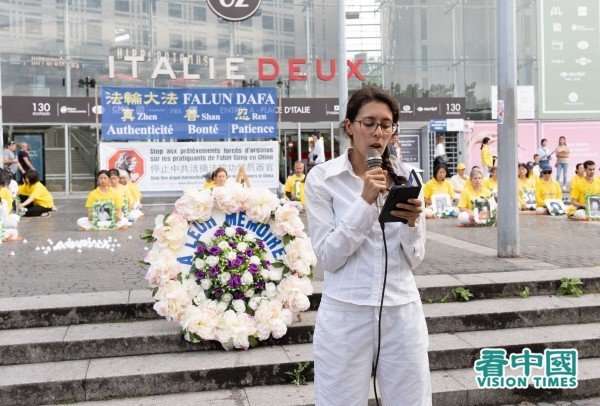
(341, 196)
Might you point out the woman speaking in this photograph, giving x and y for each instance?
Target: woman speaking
(342, 219)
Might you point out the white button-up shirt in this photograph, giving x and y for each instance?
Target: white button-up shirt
(348, 242)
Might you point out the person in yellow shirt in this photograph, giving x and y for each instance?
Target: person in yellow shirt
(526, 184)
(487, 158)
(474, 190)
(588, 186)
(134, 194)
(34, 196)
(8, 221)
(546, 189)
(294, 185)
(218, 178)
(579, 175)
(491, 183)
(438, 185)
(104, 207)
(459, 181)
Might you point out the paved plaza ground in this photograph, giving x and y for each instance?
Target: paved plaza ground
(545, 242)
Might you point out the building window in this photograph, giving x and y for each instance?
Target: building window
(94, 34)
(122, 6)
(175, 10)
(175, 41)
(224, 45)
(33, 26)
(246, 23)
(288, 25)
(199, 44)
(199, 13)
(267, 22)
(269, 49)
(93, 3)
(145, 37)
(246, 49)
(289, 51)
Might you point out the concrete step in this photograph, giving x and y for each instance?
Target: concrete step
(144, 375)
(61, 343)
(450, 388)
(79, 308)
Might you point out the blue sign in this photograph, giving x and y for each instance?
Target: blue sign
(437, 126)
(133, 113)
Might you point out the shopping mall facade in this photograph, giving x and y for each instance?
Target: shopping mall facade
(437, 57)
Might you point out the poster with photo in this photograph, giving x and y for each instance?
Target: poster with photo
(592, 207)
(440, 203)
(529, 197)
(555, 207)
(484, 212)
(104, 215)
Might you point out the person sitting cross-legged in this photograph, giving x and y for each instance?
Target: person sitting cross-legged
(473, 190)
(588, 186)
(9, 221)
(546, 189)
(104, 207)
(134, 196)
(435, 186)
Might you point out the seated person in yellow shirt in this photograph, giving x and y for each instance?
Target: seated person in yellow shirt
(459, 181)
(526, 186)
(218, 178)
(546, 189)
(438, 185)
(579, 175)
(34, 196)
(8, 221)
(135, 197)
(588, 186)
(104, 207)
(491, 183)
(294, 185)
(474, 190)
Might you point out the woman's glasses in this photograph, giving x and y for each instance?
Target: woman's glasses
(370, 126)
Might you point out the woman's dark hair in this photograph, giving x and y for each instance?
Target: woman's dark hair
(542, 141)
(32, 176)
(577, 166)
(216, 172)
(114, 172)
(4, 177)
(522, 165)
(439, 168)
(367, 95)
(484, 141)
(103, 172)
(564, 138)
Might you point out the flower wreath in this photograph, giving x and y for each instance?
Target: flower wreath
(2, 231)
(97, 223)
(490, 206)
(230, 264)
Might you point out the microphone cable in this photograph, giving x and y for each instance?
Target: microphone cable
(382, 224)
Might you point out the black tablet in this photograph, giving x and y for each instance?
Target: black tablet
(400, 194)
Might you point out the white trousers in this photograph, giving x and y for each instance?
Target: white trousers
(345, 346)
(86, 224)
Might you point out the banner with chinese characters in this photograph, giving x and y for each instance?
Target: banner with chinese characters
(176, 166)
(136, 114)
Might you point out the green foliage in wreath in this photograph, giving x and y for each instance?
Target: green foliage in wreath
(125, 208)
(99, 223)
(480, 204)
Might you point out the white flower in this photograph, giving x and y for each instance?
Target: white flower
(199, 263)
(185, 271)
(242, 246)
(249, 237)
(249, 293)
(201, 320)
(261, 204)
(299, 256)
(161, 272)
(195, 205)
(200, 298)
(266, 275)
(255, 301)
(287, 221)
(191, 287)
(223, 245)
(227, 199)
(271, 289)
(294, 291)
(247, 278)
(206, 284)
(254, 260)
(231, 255)
(239, 305)
(229, 231)
(233, 330)
(222, 306)
(224, 278)
(272, 319)
(212, 260)
(227, 297)
(172, 232)
(275, 274)
(172, 300)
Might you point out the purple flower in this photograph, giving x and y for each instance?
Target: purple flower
(201, 248)
(213, 271)
(261, 244)
(230, 264)
(214, 250)
(239, 295)
(237, 262)
(235, 281)
(233, 245)
(220, 232)
(260, 284)
(218, 292)
(253, 269)
(240, 231)
(249, 252)
(266, 263)
(200, 275)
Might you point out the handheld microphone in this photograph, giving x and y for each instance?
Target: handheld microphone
(374, 160)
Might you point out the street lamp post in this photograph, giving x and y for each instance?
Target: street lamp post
(279, 85)
(87, 83)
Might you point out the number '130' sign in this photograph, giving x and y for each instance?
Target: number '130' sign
(234, 10)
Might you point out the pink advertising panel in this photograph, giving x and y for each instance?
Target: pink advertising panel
(527, 141)
(583, 140)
